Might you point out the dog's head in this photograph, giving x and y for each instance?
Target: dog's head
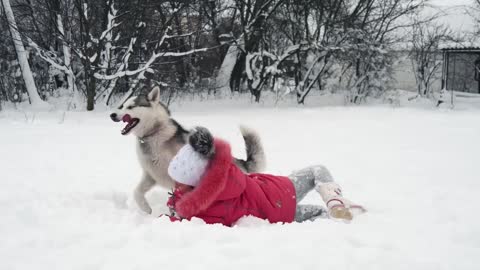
(143, 114)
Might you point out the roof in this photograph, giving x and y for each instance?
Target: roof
(465, 46)
(464, 49)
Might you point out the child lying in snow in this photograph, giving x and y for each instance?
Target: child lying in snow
(211, 187)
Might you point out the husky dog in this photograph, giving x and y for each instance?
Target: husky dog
(159, 137)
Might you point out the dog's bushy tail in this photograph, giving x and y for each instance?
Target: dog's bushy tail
(255, 155)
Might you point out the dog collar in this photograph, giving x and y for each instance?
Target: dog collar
(153, 132)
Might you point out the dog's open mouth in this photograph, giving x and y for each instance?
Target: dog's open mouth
(131, 123)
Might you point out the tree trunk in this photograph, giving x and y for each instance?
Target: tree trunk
(66, 55)
(35, 99)
(236, 76)
(90, 84)
(226, 69)
(91, 94)
(257, 95)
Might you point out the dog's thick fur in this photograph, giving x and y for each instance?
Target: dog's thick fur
(159, 137)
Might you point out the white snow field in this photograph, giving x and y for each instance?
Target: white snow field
(67, 178)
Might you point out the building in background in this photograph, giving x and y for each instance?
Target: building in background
(461, 69)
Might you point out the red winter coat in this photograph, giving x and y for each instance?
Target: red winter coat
(225, 194)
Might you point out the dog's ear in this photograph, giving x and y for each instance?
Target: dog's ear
(154, 95)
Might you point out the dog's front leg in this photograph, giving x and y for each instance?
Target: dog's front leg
(146, 183)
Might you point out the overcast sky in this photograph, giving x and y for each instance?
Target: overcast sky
(451, 2)
(456, 15)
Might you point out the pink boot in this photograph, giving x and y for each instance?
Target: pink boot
(338, 206)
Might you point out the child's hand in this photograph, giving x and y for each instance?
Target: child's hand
(202, 142)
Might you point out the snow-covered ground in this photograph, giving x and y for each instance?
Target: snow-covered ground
(66, 182)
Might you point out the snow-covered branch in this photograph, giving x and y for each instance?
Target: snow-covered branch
(122, 71)
(22, 56)
(178, 54)
(48, 56)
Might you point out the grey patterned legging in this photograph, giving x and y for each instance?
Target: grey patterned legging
(304, 181)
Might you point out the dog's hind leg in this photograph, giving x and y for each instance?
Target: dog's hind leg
(146, 183)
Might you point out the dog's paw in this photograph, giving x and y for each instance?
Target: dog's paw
(142, 202)
(202, 141)
(146, 209)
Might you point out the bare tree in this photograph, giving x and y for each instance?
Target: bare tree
(354, 35)
(22, 56)
(252, 18)
(474, 12)
(425, 53)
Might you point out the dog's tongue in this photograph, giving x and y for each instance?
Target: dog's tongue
(126, 118)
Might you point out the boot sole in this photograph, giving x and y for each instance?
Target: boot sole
(340, 212)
